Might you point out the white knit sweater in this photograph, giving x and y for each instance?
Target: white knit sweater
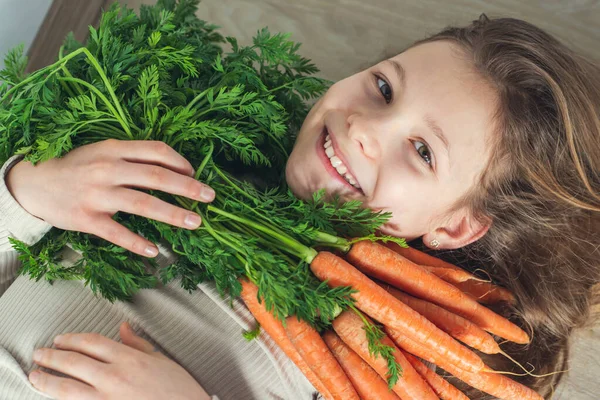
(200, 331)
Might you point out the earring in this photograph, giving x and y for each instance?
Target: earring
(435, 243)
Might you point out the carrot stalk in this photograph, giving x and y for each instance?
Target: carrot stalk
(384, 264)
(275, 329)
(350, 328)
(368, 384)
(495, 384)
(455, 325)
(483, 291)
(321, 361)
(385, 308)
(440, 386)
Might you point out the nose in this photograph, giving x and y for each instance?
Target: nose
(364, 133)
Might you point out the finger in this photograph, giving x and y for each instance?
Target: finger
(93, 345)
(110, 230)
(70, 363)
(62, 388)
(129, 338)
(152, 152)
(165, 180)
(142, 204)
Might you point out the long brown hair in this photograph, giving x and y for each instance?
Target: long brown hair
(541, 188)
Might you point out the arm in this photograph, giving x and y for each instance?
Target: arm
(15, 222)
(84, 189)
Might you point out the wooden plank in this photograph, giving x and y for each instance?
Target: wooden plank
(64, 16)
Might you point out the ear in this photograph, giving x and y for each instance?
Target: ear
(460, 230)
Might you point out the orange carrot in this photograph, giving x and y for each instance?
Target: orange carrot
(495, 384)
(411, 386)
(384, 264)
(321, 361)
(275, 329)
(367, 383)
(455, 325)
(440, 386)
(418, 257)
(385, 308)
(484, 292)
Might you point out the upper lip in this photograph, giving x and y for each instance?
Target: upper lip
(340, 154)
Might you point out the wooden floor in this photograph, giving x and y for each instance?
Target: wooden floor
(342, 36)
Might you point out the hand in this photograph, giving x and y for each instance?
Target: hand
(107, 370)
(84, 189)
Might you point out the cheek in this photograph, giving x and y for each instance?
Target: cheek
(412, 201)
(345, 93)
(298, 171)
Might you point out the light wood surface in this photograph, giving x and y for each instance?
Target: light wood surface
(343, 36)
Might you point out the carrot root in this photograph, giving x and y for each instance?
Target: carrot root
(385, 308)
(411, 386)
(482, 290)
(485, 292)
(384, 264)
(440, 386)
(368, 384)
(321, 361)
(275, 329)
(455, 325)
(492, 383)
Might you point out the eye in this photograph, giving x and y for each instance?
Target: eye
(424, 152)
(384, 88)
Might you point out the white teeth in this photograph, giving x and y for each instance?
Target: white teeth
(341, 169)
(338, 164)
(335, 161)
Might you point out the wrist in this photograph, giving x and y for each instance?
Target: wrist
(19, 182)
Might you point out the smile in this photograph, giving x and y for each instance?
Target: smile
(338, 164)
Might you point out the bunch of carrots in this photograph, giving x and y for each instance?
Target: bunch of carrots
(429, 309)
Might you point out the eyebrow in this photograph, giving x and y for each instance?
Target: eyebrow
(437, 131)
(429, 121)
(399, 70)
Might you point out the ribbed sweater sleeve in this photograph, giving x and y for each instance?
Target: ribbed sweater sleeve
(17, 223)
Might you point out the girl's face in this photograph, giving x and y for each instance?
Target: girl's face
(409, 135)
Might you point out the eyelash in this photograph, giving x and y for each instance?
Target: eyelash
(428, 163)
(388, 101)
(391, 94)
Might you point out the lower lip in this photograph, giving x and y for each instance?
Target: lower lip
(332, 171)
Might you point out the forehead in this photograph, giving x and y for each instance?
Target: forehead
(442, 84)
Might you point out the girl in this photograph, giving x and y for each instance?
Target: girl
(482, 139)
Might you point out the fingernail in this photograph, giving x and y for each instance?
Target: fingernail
(192, 220)
(37, 355)
(151, 251)
(207, 194)
(34, 377)
(58, 339)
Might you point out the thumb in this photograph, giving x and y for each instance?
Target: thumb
(129, 338)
